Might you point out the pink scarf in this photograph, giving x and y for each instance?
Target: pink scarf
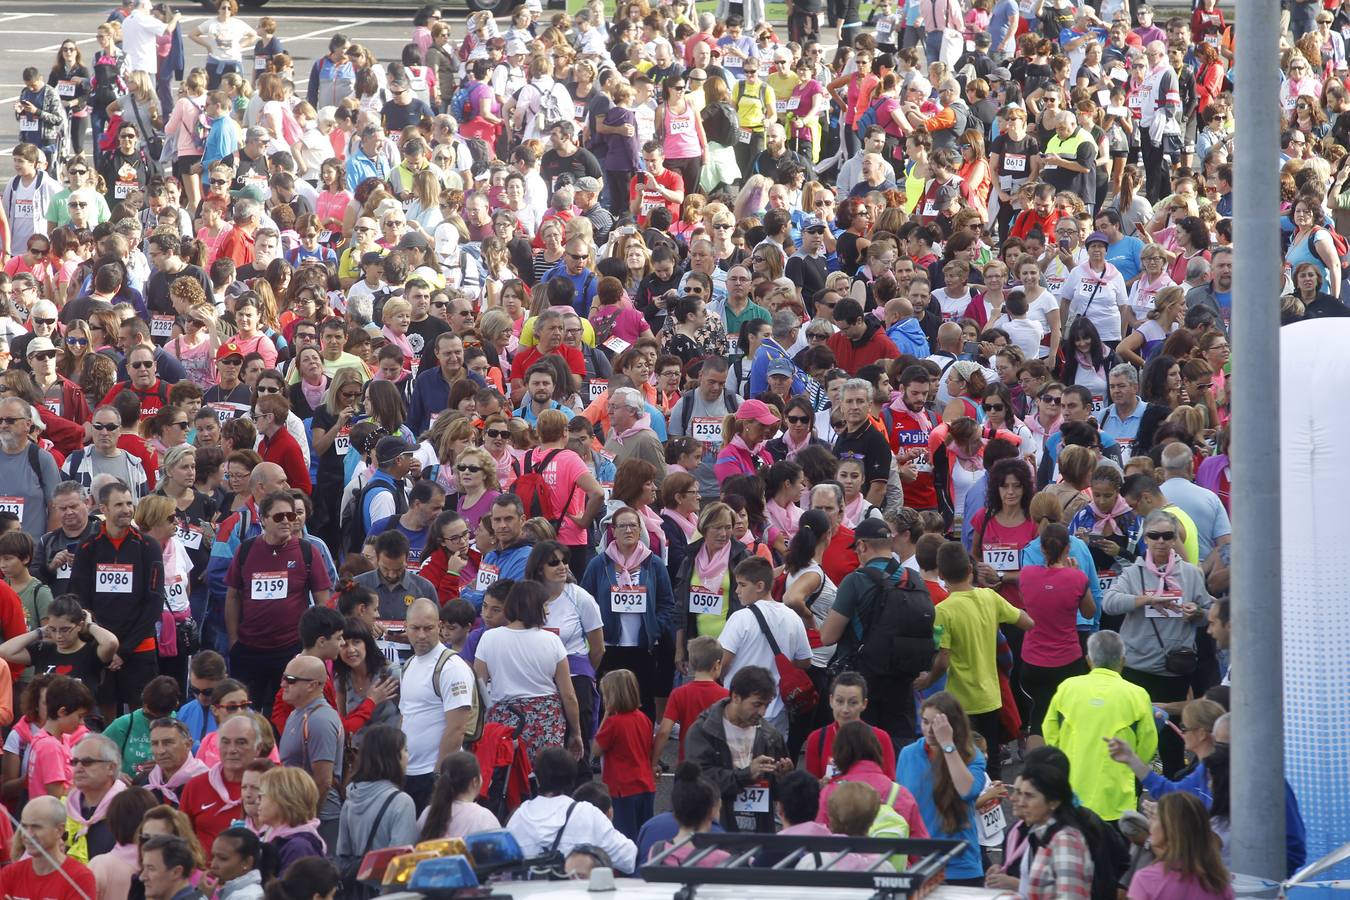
(711, 568)
(1099, 525)
(750, 452)
(169, 789)
(653, 523)
(100, 811)
(626, 565)
(853, 509)
(783, 518)
(644, 423)
(1162, 574)
(216, 779)
(1085, 361)
(401, 342)
(971, 462)
(281, 831)
(688, 524)
(794, 449)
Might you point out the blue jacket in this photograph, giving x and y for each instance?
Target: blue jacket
(759, 369)
(659, 621)
(908, 337)
(378, 477)
(430, 394)
(510, 563)
(175, 60)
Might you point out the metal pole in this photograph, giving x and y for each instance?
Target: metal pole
(1258, 688)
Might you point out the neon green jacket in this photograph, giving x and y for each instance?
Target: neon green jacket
(1087, 709)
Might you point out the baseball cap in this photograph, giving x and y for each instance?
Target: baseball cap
(249, 192)
(1001, 73)
(372, 258)
(1097, 237)
(38, 345)
(588, 184)
(758, 411)
(872, 530)
(229, 348)
(782, 54)
(413, 241)
(782, 366)
(516, 47)
(391, 448)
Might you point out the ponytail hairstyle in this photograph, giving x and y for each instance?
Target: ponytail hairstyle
(693, 799)
(812, 529)
(455, 775)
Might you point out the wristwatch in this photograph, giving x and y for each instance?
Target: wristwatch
(948, 748)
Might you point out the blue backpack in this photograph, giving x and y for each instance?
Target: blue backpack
(868, 118)
(461, 106)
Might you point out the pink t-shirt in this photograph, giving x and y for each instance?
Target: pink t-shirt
(562, 475)
(628, 323)
(261, 344)
(1050, 597)
(332, 206)
(1001, 535)
(48, 763)
(1155, 882)
(803, 95)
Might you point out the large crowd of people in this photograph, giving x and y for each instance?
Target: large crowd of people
(845, 402)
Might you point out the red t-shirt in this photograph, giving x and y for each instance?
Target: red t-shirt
(651, 199)
(22, 883)
(526, 358)
(937, 592)
(274, 591)
(626, 767)
(840, 558)
(688, 701)
(282, 449)
(140, 448)
(200, 802)
(153, 398)
(820, 755)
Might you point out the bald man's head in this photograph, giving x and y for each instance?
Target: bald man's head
(265, 478)
(949, 337)
(424, 625)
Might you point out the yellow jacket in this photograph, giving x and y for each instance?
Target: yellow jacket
(1085, 710)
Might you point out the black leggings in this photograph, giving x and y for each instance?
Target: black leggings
(616, 182)
(1164, 689)
(689, 169)
(1040, 684)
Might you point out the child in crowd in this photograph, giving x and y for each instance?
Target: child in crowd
(457, 618)
(624, 746)
(688, 701)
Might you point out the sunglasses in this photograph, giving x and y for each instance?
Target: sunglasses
(78, 171)
(557, 561)
(104, 426)
(13, 420)
(294, 679)
(236, 707)
(77, 204)
(1161, 535)
(283, 517)
(994, 407)
(1053, 401)
(799, 420)
(87, 761)
(498, 433)
(468, 468)
(144, 364)
(441, 304)
(268, 390)
(182, 424)
(43, 354)
(230, 361)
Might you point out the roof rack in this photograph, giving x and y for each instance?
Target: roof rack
(917, 880)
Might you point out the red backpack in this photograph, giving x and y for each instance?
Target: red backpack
(535, 493)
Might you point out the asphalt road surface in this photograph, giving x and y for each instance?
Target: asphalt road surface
(32, 32)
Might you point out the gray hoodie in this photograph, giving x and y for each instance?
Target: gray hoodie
(246, 887)
(364, 799)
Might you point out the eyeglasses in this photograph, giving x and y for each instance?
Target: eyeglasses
(103, 426)
(43, 354)
(578, 256)
(799, 420)
(235, 707)
(469, 469)
(1161, 535)
(12, 420)
(497, 433)
(457, 537)
(293, 679)
(143, 364)
(77, 204)
(86, 761)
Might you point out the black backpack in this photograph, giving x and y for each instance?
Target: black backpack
(897, 637)
(354, 532)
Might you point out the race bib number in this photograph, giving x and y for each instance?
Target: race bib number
(733, 62)
(259, 63)
(65, 89)
(992, 824)
(487, 577)
(224, 411)
(781, 107)
(1135, 101)
(12, 505)
(706, 429)
(681, 126)
(121, 190)
(597, 388)
(1126, 448)
(742, 136)
(23, 209)
(753, 799)
(1106, 579)
(617, 344)
(53, 405)
(325, 236)
(627, 599)
(705, 602)
(343, 442)
(608, 488)
(190, 536)
(63, 573)
(1098, 404)
(270, 586)
(111, 578)
(176, 593)
(161, 326)
(1015, 162)
(884, 28)
(929, 209)
(28, 123)
(1171, 612)
(1002, 557)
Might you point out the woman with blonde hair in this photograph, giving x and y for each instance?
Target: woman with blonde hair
(157, 516)
(196, 346)
(1169, 309)
(476, 483)
(767, 261)
(140, 107)
(454, 438)
(637, 260)
(288, 809)
(691, 211)
(424, 212)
